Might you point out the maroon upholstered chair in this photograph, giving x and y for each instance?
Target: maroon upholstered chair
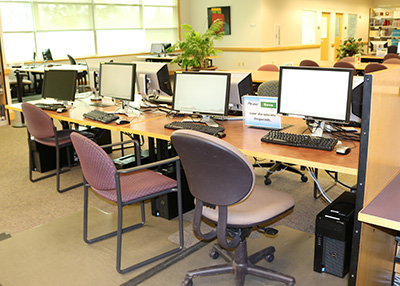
(390, 56)
(124, 187)
(348, 59)
(308, 63)
(268, 67)
(221, 179)
(392, 49)
(373, 67)
(395, 61)
(41, 127)
(342, 64)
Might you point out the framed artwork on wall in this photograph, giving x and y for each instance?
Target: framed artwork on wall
(223, 13)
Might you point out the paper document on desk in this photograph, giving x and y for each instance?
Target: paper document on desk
(261, 112)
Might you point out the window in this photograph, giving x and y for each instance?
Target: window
(85, 27)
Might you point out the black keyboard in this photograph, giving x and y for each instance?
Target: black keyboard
(194, 126)
(300, 140)
(50, 106)
(101, 116)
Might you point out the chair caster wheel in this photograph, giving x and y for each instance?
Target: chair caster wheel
(270, 257)
(267, 181)
(213, 253)
(187, 282)
(304, 178)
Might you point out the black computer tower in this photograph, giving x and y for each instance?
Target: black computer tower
(333, 236)
(44, 157)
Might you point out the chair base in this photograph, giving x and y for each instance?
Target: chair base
(278, 166)
(240, 265)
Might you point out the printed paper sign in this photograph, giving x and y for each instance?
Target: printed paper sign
(261, 111)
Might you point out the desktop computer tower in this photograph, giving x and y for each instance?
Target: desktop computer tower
(333, 236)
(44, 157)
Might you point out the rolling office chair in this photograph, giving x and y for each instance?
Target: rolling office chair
(373, 67)
(231, 201)
(343, 64)
(81, 76)
(268, 67)
(392, 49)
(124, 187)
(392, 61)
(308, 63)
(390, 56)
(348, 59)
(271, 88)
(41, 127)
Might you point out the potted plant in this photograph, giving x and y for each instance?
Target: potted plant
(350, 47)
(196, 47)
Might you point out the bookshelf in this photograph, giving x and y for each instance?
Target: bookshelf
(384, 25)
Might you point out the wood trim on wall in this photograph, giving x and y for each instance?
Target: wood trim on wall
(270, 49)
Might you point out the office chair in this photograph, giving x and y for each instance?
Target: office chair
(392, 61)
(348, 59)
(41, 127)
(390, 56)
(392, 49)
(231, 201)
(81, 76)
(25, 83)
(271, 88)
(343, 64)
(308, 63)
(268, 67)
(124, 187)
(373, 67)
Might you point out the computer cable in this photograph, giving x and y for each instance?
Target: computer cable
(323, 193)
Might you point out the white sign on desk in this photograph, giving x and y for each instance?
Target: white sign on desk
(261, 112)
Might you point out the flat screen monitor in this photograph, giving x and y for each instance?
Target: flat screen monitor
(157, 48)
(241, 84)
(117, 80)
(153, 78)
(59, 84)
(46, 54)
(201, 93)
(374, 45)
(315, 93)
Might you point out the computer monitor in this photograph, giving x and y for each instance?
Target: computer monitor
(117, 80)
(357, 100)
(320, 94)
(374, 45)
(205, 94)
(46, 54)
(59, 85)
(157, 48)
(153, 78)
(241, 84)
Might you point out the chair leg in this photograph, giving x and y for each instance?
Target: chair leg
(59, 171)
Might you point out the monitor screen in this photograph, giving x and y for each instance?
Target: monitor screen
(157, 78)
(202, 93)
(241, 84)
(117, 80)
(374, 45)
(46, 54)
(59, 84)
(315, 93)
(157, 48)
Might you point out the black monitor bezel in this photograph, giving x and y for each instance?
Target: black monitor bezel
(227, 95)
(71, 95)
(46, 54)
(159, 70)
(132, 96)
(333, 120)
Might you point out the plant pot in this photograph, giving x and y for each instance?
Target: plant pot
(212, 68)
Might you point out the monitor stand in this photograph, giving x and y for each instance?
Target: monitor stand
(208, 120)
(318, 128)
(129, 108)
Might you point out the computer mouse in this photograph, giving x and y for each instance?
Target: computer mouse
(61, 109)
(343, 150)
(122, 121)
(219, 134)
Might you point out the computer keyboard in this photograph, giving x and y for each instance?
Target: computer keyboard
(300, 140)
(194, 126)
(50, 106)
(101, 116)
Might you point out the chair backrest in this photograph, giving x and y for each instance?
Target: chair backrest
(72, 61)
(308, 63)
(269, 88)
(349, 65)
(217, 172)
(390, 56)
(373, 67)
(392, 61)
(268, 67)
(392, 49)
(38, 122)
(348, 59)
(97, 167)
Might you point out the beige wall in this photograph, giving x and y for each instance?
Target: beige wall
(252, 25)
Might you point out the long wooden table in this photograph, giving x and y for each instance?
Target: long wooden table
(245, 138)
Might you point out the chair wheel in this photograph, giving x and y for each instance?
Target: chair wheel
(187, 281)
(270, 257)
(213, 253)
(267, 181)
(304, 178)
